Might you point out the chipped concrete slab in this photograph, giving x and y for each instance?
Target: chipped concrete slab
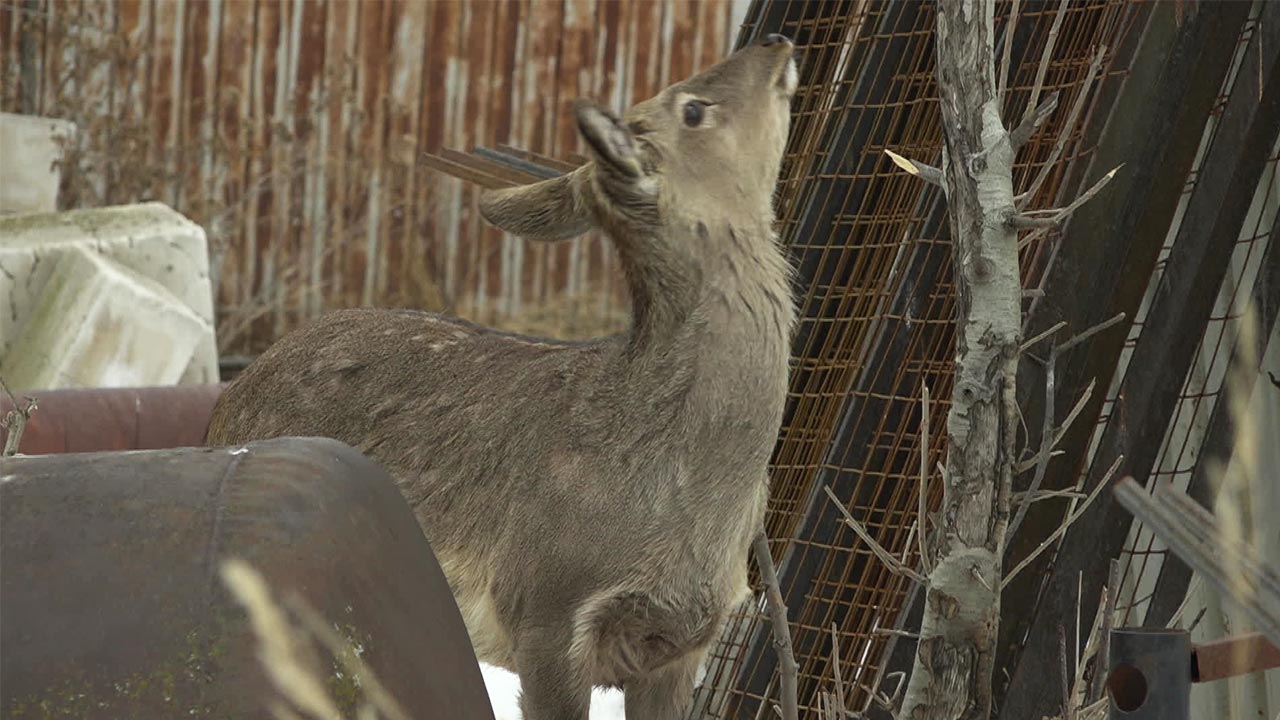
(148, 242)
(98, 323)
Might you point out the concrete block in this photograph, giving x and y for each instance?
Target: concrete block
(100, 324)
(148, 254)
(30, 148)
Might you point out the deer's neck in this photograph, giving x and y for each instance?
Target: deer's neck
(711, 329)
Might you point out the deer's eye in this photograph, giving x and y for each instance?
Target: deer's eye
(694, 111)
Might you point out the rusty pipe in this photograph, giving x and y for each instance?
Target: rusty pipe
(98, 419)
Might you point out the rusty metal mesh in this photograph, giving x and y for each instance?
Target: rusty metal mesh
(876, 307)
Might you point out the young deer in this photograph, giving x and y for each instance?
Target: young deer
(592, 503)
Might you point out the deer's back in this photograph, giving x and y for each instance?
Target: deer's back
(437, 401)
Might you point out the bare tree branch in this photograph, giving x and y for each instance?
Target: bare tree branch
(1002, 78)
(1073, 115)
(1025, 221)
(1032, 122)
(835, 668)
(1093, 495)
(1049, 437)
(1072, 342)
(787, 667)
(1046, 57)
(1047, 495)
(927, 173)
(1029, 343)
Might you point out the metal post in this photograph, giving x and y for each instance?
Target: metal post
(1149, 674)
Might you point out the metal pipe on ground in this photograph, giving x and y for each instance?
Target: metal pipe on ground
(115, 604)
(98, 419)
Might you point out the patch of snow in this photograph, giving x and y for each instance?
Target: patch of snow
(504, 695)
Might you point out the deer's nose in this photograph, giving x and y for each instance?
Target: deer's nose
(774, 39)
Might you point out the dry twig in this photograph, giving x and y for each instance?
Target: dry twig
(15, 421)
(885, 556)
(1032, 122)
(787, 667)
(1050, 437)
(1093, 495)
(1073, 115)
(1002, 78)
(1097, 688)
(1066, 673)
(1026, 221)
(1046, 57)
(925, 563)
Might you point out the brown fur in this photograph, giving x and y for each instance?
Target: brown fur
(592, 503)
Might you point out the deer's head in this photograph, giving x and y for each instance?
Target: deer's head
(705, 149)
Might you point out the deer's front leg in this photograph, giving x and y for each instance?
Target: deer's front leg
(551, 687)
(665, 693)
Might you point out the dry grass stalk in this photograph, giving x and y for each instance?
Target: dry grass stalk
(288, 657)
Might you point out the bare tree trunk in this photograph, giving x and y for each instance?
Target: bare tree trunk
(951, 677)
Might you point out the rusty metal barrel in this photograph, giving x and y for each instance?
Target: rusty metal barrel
(92, 419)
(115, 607)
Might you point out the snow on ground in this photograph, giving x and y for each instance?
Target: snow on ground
(504, 694)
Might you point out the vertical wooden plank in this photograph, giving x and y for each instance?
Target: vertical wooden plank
(51, 57)
(505, 97)
(129, 75)
(659, 71)
(310, 112)
(604, 87)
(259, 268)
(478, 28)
(174, 95)
(11, 17)
(160, 42)
(439, 111)
(707, 35)
(523, 255)
(343, 43)
(392, 13)
(194, 150)
(282, 235)
(374, 37)
(542, 60)
(93, 30)
(234, 86)
(577, 50)
(681, 42)
(408, 279)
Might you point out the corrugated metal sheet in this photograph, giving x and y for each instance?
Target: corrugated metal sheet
(292, 129)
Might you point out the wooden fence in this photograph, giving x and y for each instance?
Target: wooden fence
(292, 130)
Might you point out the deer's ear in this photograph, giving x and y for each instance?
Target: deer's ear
(555, 209)
(610, 141)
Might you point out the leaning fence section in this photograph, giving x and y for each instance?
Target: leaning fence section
(872, 251)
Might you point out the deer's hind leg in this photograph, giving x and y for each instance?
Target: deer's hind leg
(665, 693)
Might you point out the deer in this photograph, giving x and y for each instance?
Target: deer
(591, 502)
